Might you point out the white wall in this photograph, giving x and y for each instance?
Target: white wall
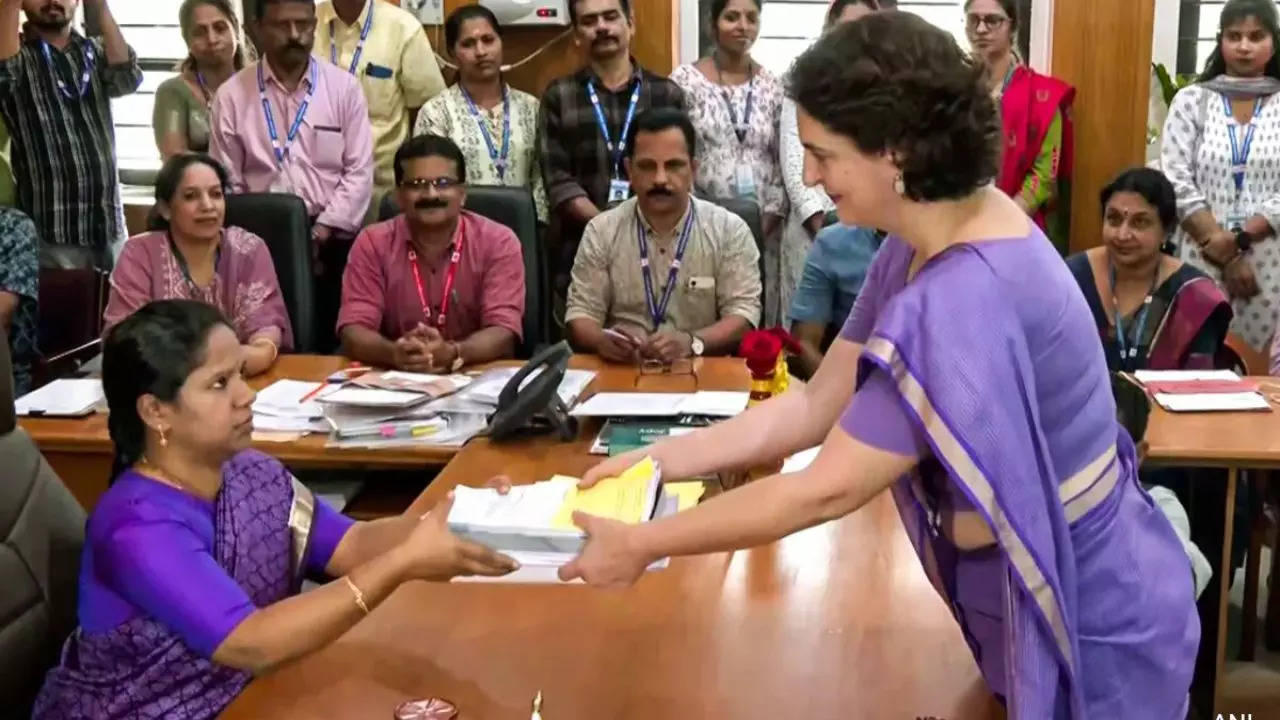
(1164, 39)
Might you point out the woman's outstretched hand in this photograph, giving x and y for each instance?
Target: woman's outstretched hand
(613, 467)
(435, 553)
(609, 558)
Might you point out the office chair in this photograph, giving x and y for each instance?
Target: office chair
(281, 221)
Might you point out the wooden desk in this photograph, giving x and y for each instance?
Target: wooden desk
(835, 622)
(80, 449)
(1234, 442)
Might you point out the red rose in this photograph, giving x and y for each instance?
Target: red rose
(761, 349)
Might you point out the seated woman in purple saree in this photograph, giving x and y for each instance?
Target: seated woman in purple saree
(193, 559)
(968, 381)
(196, 258)
(1172, 316)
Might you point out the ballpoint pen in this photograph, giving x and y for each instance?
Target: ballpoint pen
(537, 707)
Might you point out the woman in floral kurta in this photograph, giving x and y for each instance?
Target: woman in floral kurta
(722, 156)
(476, 45)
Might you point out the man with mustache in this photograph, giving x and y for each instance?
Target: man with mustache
(55, 91)
(385, 47)
(292, 124)
(437, 287)
(582, 140)
(663, 276)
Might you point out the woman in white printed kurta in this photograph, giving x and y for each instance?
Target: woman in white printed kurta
(1197, 157)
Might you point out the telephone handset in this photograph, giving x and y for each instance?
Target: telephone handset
(533, 404)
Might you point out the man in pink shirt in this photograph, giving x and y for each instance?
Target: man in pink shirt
(291, 124)
(437, 287)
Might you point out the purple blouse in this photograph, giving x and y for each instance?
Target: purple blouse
(149, 551)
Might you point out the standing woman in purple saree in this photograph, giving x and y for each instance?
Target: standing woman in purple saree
(193, 559)
(969, 382)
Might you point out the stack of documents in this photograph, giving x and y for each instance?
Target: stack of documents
(703, 402)
(432, 386)
(63, 398)
(290, 406)
(1202, 390)
(534, 523)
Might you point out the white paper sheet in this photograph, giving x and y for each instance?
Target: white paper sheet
(1212, 402)
(488, 386)
(68, 397)
(371, 398)
(283, 398)
(635, 404)
(800, 460)
(1146, 376)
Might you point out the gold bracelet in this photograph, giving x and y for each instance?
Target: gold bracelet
(358, 594)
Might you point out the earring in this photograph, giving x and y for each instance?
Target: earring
(164, 439)
(900, 185)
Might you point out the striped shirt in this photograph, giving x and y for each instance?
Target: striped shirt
(64, 148)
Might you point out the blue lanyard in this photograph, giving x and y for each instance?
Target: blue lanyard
(1240, 150)
(1129, 353)
(499, 158)
(83, 88)
(364, 35)
(283, 151)
(616, 149)
(739, 128)
(658, 312)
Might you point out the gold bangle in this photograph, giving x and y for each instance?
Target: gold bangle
(358, 594)
(275, 349)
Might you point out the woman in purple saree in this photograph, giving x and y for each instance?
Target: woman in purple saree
(193, 559)
(1171, 315)
(969, 382)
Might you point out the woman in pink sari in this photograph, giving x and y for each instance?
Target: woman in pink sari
(1035, 168)
(196, 258)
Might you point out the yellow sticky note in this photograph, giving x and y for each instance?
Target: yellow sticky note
(687, 494)
(624, 498)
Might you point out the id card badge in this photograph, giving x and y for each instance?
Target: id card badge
(1236, 221)
(281, 183)
(744, 182)
(619, 191)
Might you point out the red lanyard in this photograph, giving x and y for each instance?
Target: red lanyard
(449, 277)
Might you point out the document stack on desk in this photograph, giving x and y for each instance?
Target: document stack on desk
(534, 523)
(62, 398)
(1202, 391)
(395, 409)
(289, 406)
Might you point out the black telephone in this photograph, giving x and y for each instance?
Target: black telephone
(535, 407)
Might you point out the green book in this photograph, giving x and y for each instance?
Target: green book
(625, 437)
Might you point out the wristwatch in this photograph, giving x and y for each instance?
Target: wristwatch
(1244, 240)
(696, 345)
(458, 362)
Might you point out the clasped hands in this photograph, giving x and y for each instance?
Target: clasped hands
(424, 349)
(1237, 272)
(622, 344)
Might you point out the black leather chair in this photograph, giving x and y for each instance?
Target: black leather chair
(282, 223)
(750, 212)
(41, 534)
(513, 207)
(72, 298)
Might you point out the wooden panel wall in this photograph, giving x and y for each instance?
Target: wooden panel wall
(1103, 48)
(655, 46)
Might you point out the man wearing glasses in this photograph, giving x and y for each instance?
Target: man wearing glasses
(437, 287)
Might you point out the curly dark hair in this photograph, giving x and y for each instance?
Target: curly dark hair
(893, 83)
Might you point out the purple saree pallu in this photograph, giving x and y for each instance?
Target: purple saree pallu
(1083, 607)
(141, 669)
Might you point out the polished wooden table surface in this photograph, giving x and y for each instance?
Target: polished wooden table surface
(835, 622)
(1234, 441)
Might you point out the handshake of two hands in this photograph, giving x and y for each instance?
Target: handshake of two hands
(423, 349)
(626, 345)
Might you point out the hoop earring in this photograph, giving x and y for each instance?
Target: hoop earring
(900, 185)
